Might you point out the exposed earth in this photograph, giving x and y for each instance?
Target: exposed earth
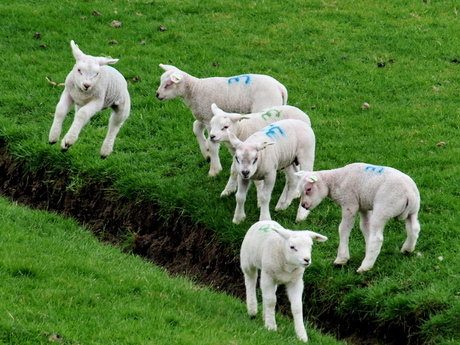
(176, 244)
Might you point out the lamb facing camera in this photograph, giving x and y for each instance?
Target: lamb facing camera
(281, 255)
(91, 86)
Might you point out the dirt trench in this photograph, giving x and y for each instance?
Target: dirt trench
(176, 243)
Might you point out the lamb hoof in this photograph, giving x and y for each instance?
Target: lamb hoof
(103, 157)
(52, 142)
(225, 193)
(342, 262)
(362, 270)
(64, 149)
(238, 220)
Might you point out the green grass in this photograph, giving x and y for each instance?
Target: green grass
(326, 53)
(59, 281)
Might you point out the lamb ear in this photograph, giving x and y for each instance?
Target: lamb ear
(167, 67)
(282, 232)
(236, 117)
(233, 139)
(215, 109)
(244, 117)
(316, 236)
(176, 77)
(77, 53)
(106, 61)
(264, 145)
(309, 178)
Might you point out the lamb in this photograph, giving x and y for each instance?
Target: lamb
(282, 256)
(245, 125)
(91, 86)
(280, 145)
(244, 93)
(378, 193)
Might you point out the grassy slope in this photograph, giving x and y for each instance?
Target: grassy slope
(70, 287)
(326, 53)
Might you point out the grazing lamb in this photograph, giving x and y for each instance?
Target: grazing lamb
(377, 193)
(244, 93)
(280, 145)
(282, 256)
(242, 126)
(91, 86)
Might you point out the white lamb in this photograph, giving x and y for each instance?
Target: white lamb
(377, 193)
(281, 255)
(91, 86)
(242, 126)
(244, 94)
(280, 145)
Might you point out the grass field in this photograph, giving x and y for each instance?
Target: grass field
(59, 285)
(327, 54)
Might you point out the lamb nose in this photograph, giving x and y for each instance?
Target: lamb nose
(307, 261)
(86, 86)
(245, 173)
(305, 205)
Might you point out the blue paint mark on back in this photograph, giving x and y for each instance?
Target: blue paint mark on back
(375, 169)
(273, 131)
(238, 78)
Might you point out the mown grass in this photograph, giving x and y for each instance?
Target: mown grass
(60, 285)
(327, 55)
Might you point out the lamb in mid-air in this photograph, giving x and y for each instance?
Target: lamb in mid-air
(246, 93)
(91, 86)
(378, 193)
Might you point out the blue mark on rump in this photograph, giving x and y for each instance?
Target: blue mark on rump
(376, 169)
(237, 79)
(271, 131)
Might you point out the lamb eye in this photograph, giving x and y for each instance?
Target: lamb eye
(236, 158)
(255, 159)
(225, 127)
(293, 248)
(308, 189)
(79, 71)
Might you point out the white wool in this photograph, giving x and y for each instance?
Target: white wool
(378, 193)
(244, 94)
(242, 126)
(280, 145)
(91, 86)
(281, 255)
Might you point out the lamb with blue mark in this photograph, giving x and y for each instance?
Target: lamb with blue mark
(377, 193)
(243, 125)
(247, 93)
(280, 145)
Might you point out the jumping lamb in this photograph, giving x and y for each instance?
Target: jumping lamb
(281, 145)
(91, 86)
(246, 93)
(281, 255)
(242, 126)
(378, 193)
